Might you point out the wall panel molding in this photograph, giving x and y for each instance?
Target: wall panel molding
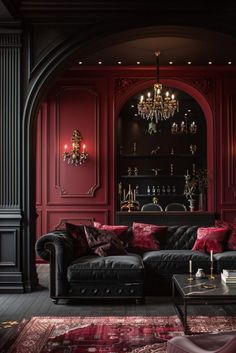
(231, 150)
(89, 193)
(10, 162)
(56, 219)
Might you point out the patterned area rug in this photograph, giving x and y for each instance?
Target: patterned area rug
(107, 334)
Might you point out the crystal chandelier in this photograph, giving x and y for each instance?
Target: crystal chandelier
(156, 107)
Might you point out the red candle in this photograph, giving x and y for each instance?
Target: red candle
(65, 148)
(84, 146)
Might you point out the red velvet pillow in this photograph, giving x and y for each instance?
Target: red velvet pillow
(103, 242)
(210, 238)
(117, 229)
(231, 243)
(77, 233)
(145, 236)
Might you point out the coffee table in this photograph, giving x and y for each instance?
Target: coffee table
(200, 291)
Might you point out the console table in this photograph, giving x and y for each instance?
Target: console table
(166, 218)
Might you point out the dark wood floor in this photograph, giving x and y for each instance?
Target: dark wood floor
(38, 303)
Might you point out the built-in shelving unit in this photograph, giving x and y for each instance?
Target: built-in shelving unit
(155, 165)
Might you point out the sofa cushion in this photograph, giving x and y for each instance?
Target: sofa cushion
(231, 243)
(103, 242)
(225, 260)
(175, 261)
(77, 233)
(179, 237)
(211, 238)
(145, 237)
(112, 268)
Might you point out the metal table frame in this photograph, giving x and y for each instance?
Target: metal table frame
(196, 300)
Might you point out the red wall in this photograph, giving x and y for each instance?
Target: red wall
(89, 99)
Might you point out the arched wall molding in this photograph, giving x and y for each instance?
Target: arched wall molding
(54, 63)
(208, 113)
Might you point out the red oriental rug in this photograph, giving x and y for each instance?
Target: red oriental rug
(107, 334)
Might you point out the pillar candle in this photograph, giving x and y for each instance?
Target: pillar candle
(190, 265)
(211, 255)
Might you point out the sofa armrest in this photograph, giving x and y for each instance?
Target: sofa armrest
(57, 248)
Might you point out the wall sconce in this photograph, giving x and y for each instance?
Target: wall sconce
(183, 127)
(75, 156)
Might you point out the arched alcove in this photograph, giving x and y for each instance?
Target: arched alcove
(44, 77)
(154, 157)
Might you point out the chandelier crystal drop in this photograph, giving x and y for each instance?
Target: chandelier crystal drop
(156, 106)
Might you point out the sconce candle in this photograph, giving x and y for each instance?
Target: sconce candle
(211, 255)
(190, 266)
(75, 157)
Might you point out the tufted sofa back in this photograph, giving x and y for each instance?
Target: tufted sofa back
(180, 237)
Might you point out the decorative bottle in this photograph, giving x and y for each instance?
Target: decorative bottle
(154, 190)
(148, 190)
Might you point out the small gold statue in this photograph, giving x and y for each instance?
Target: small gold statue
(129, 171)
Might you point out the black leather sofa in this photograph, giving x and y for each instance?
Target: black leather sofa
(130, 276)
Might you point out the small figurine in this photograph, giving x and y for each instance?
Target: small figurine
(156, 171)
(129, 171)
(193, 148)
(193, 128)
(155, 150)
(135, 171)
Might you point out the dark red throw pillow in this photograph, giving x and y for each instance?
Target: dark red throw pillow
(77, 233)
(145, 236)
(231, 243)
(117, 229)
(103, 242)
(210, 238)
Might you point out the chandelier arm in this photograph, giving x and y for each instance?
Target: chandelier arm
(157, 53)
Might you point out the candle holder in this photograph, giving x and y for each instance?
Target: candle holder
(211, 268)
(190, 277)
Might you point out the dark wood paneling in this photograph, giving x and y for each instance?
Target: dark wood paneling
(10, 167)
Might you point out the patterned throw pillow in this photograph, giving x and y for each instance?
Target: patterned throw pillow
(103, 242)
(210, 238)
(231, 243)
(77, 233)
(145, 237)
(117, 229)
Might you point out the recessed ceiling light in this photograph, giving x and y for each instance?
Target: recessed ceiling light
(80, 62)
(100, 62)
(229, 62)
(170, 62)
(189, 110)
(189, 62)
(119, 63)
(135, 114)
(132, 106)
(210, 62)
(138, 62)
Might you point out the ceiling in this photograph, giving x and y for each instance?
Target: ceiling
(175, 50)
(192, 45)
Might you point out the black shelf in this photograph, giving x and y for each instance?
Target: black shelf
(161, 195)
(153, 156)
(149, 176)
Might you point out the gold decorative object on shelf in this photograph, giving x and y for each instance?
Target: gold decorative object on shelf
(193, 148)
(155, 150)
(135, 171)
(155, 107)
(129, 171)
(171, 169)
(129, 202)
(75, 156)
(189, 190)
(156, 171)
